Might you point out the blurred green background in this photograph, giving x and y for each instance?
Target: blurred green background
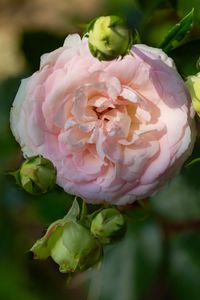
(160, 255)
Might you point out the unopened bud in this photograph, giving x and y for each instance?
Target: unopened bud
(70, 245)
(193, 85)
(37, 175)
(108, 225)
(109, 37)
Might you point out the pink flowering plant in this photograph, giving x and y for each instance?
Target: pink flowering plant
(108, 119)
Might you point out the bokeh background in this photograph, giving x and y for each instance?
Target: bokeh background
(159, 258)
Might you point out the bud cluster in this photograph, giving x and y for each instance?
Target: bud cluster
(76, 242)
(75, 246)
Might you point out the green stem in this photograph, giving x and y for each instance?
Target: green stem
(83, 210)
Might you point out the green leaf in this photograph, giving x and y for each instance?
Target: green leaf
(184, 266)
(193, 162)
(178, 33)
(183, 6)
(130, 266)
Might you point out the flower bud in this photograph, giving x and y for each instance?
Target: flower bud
(37, 175)
(108, 225)
(108, 37)
(70, 245)
(193, 85)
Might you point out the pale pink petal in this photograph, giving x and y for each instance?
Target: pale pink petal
(72, 40)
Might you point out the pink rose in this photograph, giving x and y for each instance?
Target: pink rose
(115, 131)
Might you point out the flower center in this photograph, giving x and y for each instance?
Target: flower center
(100, 114)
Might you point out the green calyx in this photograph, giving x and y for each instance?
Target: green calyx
(108, 225)
(37, 175)
(109, 37)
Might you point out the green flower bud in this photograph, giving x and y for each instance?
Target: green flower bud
(70, 245)
(108, 37)
(193, 85)
(108, 225)
(37, 175)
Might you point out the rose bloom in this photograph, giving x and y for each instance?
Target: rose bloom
(115, 131)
